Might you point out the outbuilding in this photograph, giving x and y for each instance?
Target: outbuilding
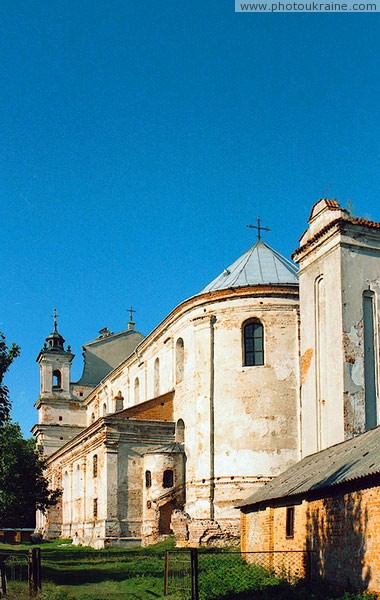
(327, 505)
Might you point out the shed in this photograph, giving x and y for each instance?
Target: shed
(327, 504)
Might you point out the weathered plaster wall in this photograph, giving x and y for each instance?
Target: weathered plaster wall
(321, 347)
(360, 272)
(346, 261)
(241, 423)
(115, 487)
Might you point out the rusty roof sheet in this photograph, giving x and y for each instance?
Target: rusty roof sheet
(350, 460)
(260, 265)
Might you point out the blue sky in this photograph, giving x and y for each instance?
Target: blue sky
(138, 139)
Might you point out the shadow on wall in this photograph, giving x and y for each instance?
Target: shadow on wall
(336, 535)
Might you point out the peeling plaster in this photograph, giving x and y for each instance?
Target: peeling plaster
(305, 363)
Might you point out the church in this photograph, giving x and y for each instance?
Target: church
(269, 363)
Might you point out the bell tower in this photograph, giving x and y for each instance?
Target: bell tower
(61, 415)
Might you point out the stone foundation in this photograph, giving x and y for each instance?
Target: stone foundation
(204, 532)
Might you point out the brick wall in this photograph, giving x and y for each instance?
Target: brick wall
(158, 409)
(342, 533)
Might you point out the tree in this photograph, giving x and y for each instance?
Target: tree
(23, 487)
(7, 355)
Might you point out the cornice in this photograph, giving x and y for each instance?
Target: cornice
(340, 225)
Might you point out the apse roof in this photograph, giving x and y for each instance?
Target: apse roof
(260, 265)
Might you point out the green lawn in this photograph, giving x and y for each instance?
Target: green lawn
(79, 573)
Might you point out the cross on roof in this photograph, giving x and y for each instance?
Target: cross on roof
(259, 228)
(131, 311)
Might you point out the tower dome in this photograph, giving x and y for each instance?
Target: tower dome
(54, 341)
(259, 265)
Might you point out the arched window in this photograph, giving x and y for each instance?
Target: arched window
(157, 377)
(148, 479)
(77, 482)
(119, 401)
(179, 360)
(180, 432)
(66, 489)
(105, 409)
(95, 465)
(66, 497)
(57, 380)
(137, 390)
(168, 478)
(253, 343)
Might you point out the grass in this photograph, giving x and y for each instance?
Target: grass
(81, 573)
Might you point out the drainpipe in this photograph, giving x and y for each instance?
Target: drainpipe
(212, 417)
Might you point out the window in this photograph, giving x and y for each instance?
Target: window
(66, 486)
(179, 360)
(253, 343)
(137, 390)
(77, 484)
(95, 508)
(180, 432)
(105, 409)
(290, 522)
(95, 465)
(148, 479)
(157, 377)
(57, 379)
(119, 401)
(168, 479)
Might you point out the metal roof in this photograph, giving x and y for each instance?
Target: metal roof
(104, 354)
(172, 448)
(344, 462)
(260, 265)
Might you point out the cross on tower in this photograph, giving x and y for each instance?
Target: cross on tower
(259, 228)
(54, 315)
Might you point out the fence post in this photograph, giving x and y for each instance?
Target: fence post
(34, 571)
(194, 574)
(3, 579)
(166, 572)
(308, 565)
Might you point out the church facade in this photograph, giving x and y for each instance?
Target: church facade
(167, 433)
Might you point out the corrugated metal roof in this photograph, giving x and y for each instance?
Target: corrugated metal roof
(260, 265)
(349, 460)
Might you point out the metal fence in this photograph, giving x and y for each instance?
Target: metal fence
(181, 574)
(20, 574)
(290, 565)
(190, 572)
